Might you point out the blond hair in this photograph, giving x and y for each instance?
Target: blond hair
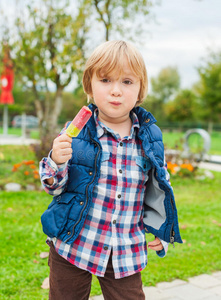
(110, 56)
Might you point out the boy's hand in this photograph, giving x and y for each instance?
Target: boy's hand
(61, 149)
(155, 245)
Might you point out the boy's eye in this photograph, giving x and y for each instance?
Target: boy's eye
(127, 82)
(105, 80)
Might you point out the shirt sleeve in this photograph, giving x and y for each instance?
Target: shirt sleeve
(49, 169)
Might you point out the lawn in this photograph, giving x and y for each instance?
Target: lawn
(23, 271)
(173, 139)
(32, 132)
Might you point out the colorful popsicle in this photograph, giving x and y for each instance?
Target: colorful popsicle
(79, 121)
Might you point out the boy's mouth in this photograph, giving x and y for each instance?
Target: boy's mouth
(116, 103)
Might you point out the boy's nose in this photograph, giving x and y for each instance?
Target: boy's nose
(116, 90)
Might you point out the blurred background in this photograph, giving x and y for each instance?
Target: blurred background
(43, 48)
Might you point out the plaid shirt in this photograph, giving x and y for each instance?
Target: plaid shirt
(115, 221)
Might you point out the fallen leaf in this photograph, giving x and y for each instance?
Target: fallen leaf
(189, 245)
(203, 243)
(214, 221)
(35, 261)
(44, 254)
(184, 241)
(9, 209)
(45, 284)
(183, 227)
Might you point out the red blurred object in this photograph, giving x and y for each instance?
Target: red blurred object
(7, 80)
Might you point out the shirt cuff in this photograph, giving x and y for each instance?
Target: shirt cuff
(52, 169)
(163, 252)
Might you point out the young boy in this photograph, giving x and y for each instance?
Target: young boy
(110, 185)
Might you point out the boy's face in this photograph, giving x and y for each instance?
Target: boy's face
(115, 95)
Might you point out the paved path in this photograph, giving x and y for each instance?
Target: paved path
(15, 140)
(202, 287)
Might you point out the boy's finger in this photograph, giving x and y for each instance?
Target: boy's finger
(65, 137)
(65, 145)
(153, 244)
(156, 248)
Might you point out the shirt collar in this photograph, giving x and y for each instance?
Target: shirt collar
(103, 129)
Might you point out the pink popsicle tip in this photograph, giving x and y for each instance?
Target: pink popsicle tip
(82, 117)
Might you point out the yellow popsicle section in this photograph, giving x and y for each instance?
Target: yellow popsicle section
(79, 122)
(72, 130)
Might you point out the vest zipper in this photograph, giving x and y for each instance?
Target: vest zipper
(172, 233)
(85, 205)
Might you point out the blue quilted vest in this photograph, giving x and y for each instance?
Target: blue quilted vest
(67, 212)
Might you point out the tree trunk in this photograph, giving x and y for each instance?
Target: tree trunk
(210, 127)
(55, 112)
(48, 113)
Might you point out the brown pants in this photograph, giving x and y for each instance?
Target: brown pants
(67, 282)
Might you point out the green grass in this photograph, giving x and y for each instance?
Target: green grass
(173, 139)
(22, 240)
(34, 134)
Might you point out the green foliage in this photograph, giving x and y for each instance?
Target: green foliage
(164, 88)
(183, 107)
(166, 84)
(210, 86)
(121, 16)
(50, 44)
(72, 104)
(48, 51)
(12, 169)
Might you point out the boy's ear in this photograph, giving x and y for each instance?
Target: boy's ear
(88, 98)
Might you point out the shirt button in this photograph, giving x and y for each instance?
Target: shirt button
(119, 196)
(81, 203)
(105, 248)
(120, 171)
(114, 221)
(90, 173)
(69, 232)
(121, 144)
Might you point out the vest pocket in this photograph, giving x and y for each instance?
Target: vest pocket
(56, 216)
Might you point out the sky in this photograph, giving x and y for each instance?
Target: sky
(185, 32)
(181, 37)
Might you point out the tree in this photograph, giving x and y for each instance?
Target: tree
(48, 52)
(49, 49)
(166, 84)
(123, 16)
(164, 88)
(183, 107)
(210, 88)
